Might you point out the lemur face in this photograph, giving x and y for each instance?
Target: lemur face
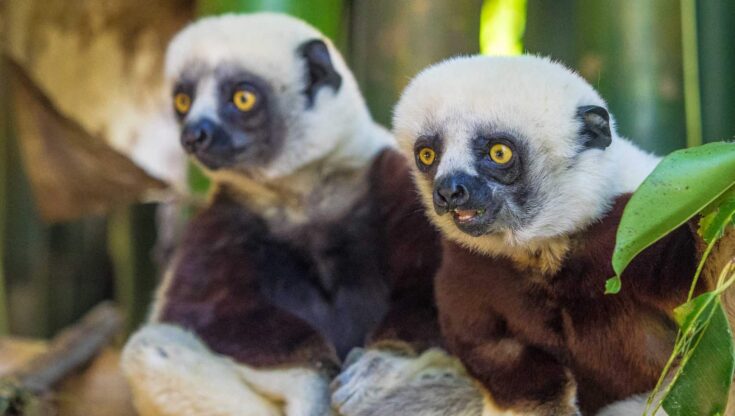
(497, 141)
(234, 124)
(251, 92)
(483, 190)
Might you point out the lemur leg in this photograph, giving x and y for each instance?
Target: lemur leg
(381, 382)
(172, 373)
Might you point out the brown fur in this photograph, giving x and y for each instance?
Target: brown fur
(530, 337)
(239, 287)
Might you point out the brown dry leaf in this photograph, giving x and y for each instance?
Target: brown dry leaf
(72, 172)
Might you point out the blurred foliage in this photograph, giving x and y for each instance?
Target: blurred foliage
(502, 24)
(131, 237)
(391, 41)
(4, 324)
(716, 31)
(631, 51)
(324, 14)
(690, 58)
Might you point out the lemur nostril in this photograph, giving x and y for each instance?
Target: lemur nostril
(450, 192)
(197, 135)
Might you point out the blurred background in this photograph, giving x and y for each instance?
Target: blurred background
(94, 189)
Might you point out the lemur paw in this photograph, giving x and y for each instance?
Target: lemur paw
(171, 372)
(383, 383)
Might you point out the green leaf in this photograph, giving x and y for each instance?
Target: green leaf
(704, 379)
(712, 226)
(613, 285)
(686, 315)
(683, 184)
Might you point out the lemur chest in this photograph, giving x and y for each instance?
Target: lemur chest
(330, 273)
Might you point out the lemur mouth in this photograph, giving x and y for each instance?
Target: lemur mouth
(466, 216)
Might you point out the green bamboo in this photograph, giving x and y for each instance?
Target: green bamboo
(26, 251)
(392, 40)
(630, 51)
(131, 239)
(4, 319)
(690, 52)
(715, 32)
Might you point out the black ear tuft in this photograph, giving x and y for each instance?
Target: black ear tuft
(319, 66)
(595, 132)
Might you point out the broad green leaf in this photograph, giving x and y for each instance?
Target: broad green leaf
(704, 381)
(683, 184)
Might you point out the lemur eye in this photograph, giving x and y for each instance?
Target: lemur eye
(244, 100)
(500, 153)
(427, 155)
(182, 103)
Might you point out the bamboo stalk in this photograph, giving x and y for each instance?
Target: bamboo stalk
(4, 318)
(690, 61)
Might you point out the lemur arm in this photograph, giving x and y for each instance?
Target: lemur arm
(519, 377)
(215, 342)
(413, 256)
(213, 291)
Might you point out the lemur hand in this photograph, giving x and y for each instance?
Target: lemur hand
(382, 382)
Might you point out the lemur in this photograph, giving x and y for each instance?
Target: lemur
(519, 166)
(313, 242)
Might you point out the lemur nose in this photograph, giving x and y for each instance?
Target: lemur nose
(197, 135)
(450, 192)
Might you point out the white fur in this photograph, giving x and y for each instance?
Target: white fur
(339, 126)
(632, 406)
(535, 99)
(172, 373)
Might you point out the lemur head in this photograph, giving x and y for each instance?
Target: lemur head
(261, 94)
(508, 150)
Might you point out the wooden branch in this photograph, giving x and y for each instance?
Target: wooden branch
(70, 349)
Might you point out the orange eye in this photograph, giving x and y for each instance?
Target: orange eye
(182, 103)
(427, 155)
(244, 100)
(500, 153)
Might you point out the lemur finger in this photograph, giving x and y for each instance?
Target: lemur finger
(352, 357)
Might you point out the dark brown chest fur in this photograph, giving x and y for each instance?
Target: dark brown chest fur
(614, 345)
(334, 276)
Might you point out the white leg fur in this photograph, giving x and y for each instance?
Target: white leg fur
(172, 373)
(632, 406)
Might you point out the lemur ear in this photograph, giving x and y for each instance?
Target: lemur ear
(320, 71)
(595, 133)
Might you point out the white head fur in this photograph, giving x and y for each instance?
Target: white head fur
(339, 127)
(537, 100)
